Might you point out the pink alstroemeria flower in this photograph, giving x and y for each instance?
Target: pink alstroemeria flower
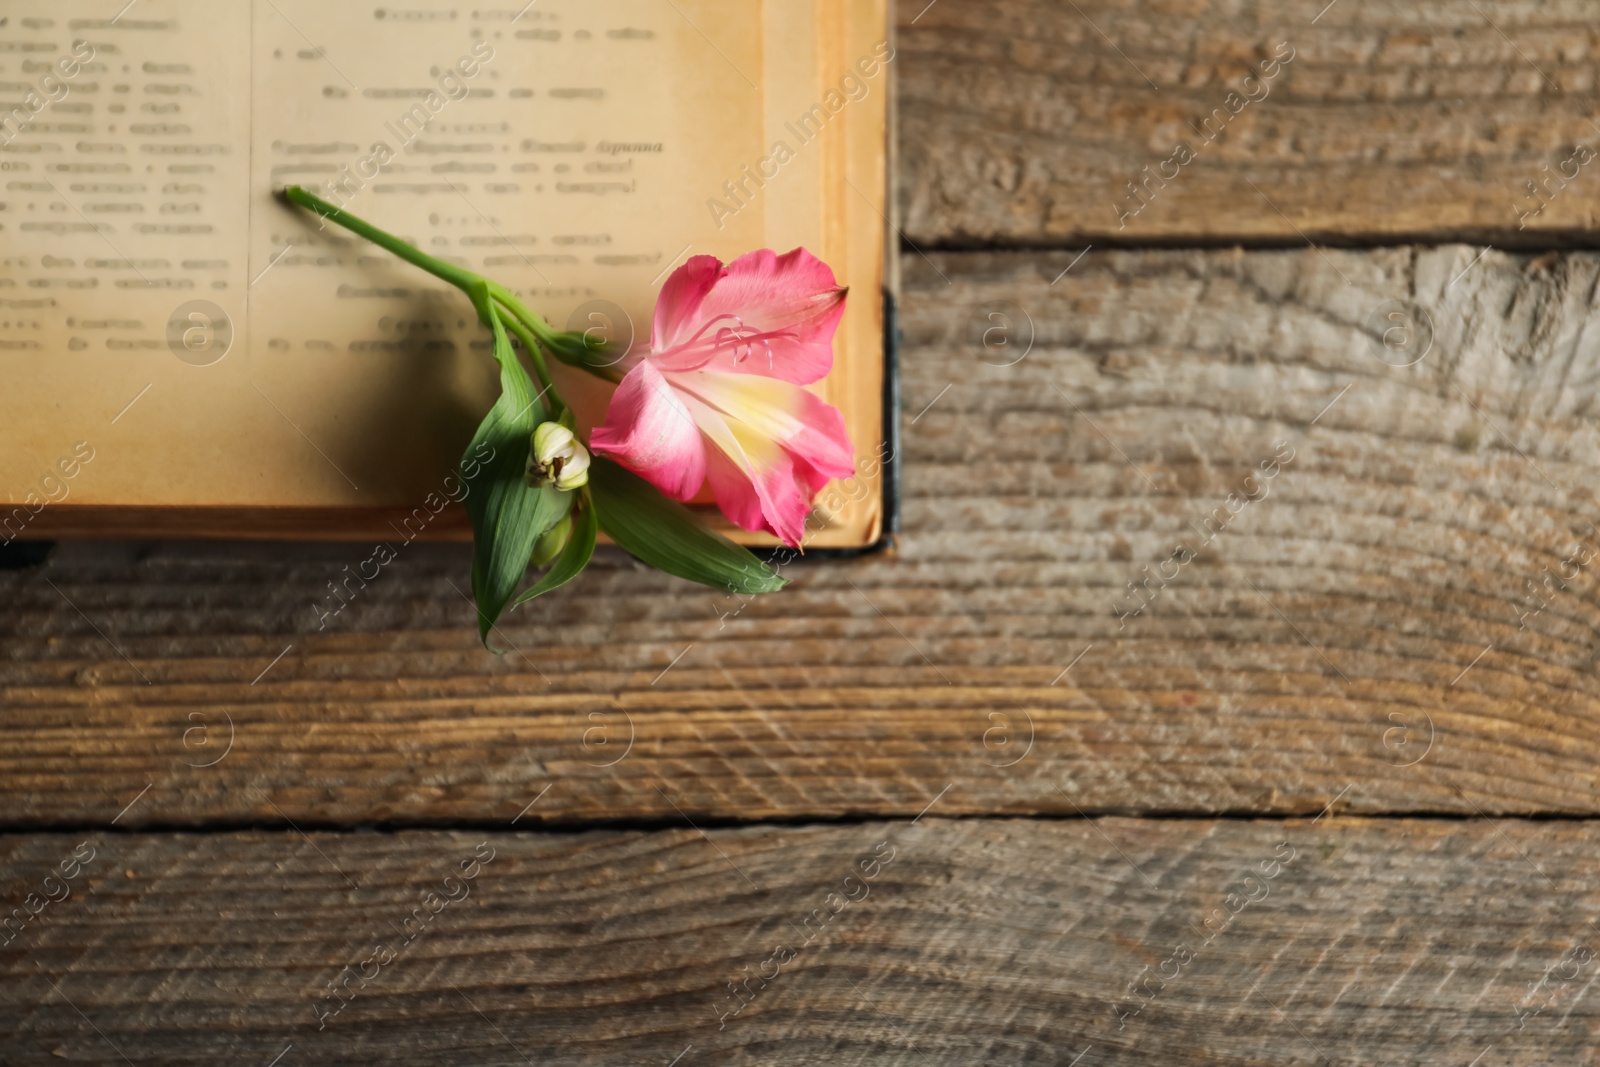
(718, 397)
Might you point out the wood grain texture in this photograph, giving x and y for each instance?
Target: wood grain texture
(1101, 603)
(1023, 121)
(1364, 628)
(995, 942)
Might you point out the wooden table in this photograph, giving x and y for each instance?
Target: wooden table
(1230, 698)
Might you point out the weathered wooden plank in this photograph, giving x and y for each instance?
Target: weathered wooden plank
(944, 942)
(1024, 121)
(1367, 622)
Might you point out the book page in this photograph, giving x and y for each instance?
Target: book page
(126, 199)
(218, 348)
(535, 150)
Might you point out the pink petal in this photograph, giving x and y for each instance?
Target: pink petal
(809, 479)
(767, 500)
(802, 423)
(678, 305)
(792, 300)
(736, 494)
(755, 481)
(649, 430)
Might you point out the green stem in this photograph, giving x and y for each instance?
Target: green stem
(456, 276)
(481, 291)
(542, 330)
(533, 322)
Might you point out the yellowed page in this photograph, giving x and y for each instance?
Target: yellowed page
(559, 171)
(126, 200)
(827, 92)
(575, 151)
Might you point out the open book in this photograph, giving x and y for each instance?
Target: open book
(184, 354)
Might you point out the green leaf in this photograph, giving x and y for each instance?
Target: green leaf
(665, 535)
(573, 558)
(508, 516)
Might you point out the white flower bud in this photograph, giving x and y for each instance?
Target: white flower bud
(558, 458)
(574, 470)
(550, 440)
